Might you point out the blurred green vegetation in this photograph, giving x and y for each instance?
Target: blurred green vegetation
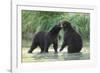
(35, 21)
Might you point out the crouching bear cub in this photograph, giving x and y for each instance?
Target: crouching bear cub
(71, 38)
(45, 39)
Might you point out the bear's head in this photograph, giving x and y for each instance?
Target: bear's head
(58, 26)
(65, 24)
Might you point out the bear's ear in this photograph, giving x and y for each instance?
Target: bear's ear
(66, 23)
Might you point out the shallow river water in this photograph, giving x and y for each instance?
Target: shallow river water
(61, 56)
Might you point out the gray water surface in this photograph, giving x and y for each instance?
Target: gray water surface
(51, 56)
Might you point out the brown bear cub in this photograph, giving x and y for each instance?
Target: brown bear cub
(71, 38)
(45, 39)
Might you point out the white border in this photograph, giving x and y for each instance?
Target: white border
(17, 66)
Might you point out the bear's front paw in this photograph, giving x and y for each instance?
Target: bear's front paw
(29, 51)
(60, 50)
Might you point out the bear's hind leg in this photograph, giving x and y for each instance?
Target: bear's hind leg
(42, 50)
(55, 46)
(63, 46)
(73, 50)
(33, 46)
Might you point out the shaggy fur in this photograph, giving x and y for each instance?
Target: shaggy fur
(71, 38)
(45, 39)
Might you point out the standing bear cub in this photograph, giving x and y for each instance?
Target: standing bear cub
(71, 38)
(45, 39)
